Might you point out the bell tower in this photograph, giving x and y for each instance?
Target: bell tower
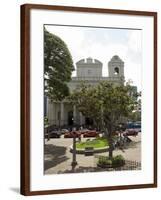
(116, 67)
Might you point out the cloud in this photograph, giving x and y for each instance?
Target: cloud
(134, 46)
(103, 44)
(134, 41)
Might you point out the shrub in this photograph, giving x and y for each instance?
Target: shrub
(102, 160)
(118, 160)
(108, 162)
(105, 161)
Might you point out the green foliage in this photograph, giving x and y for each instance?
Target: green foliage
(135, 116)
(86, 99)
(104, 160)
(106, 104)
(58, 66)
(116, 161)
(95, 143)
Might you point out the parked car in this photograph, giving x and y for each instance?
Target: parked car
(134, 125)
(63, 131)
(90, 133)
(53, 134)
(72, 134)
(130, 132)
(84, 130)
(137, 126)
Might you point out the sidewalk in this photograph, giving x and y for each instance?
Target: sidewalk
(58, 157)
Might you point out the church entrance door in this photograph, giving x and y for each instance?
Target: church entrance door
(88, 121)
(70, 118)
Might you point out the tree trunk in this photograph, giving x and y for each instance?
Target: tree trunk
(110, 141)
(108, 132)
(110, 150)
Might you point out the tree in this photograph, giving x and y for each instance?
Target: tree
(106, 104)
(58, 67)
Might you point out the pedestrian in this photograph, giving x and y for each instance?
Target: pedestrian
(79, 137)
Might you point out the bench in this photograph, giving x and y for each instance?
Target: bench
(88, 151)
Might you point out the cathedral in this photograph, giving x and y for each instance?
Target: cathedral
(89, 71)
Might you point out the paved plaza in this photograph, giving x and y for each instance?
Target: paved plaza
(58, 157)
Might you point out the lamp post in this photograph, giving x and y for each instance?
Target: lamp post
(74, 162)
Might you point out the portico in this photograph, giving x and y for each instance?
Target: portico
(64, 114)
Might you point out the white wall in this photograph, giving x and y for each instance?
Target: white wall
(9, 101)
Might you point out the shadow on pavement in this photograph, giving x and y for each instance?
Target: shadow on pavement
(54, 155)
(79, 170)
(132, 145)
(129, 165)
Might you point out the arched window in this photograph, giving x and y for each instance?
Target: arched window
(116, 70)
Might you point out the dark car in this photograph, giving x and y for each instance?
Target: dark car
(130, 132)
(90, 133)
(63, 131)
(72, 134)
(53, 134)
(134, 125)
(137, 126)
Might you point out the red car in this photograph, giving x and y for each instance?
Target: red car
(72, 134)
(90, 133)
(130, 132)
(84, 130)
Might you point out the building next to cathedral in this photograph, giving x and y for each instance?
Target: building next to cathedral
(89, 71)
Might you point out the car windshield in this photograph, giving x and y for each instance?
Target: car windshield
(133, 125)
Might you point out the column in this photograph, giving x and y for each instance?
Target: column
(61, 113)
(48, 105)
(74, 114)
(81, 118)
(49, 111)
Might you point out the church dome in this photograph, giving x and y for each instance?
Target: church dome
(116, 58)
(89, 60)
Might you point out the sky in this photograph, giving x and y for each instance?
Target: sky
(103, 44)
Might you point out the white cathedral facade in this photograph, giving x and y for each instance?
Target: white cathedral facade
(90, 71)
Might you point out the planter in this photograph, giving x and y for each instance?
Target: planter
(114, 162)
(104, 165)
(95, 150)
(111, 165)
